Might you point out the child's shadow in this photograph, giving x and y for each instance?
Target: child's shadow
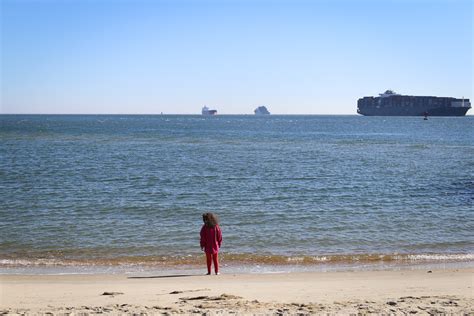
(162, 276)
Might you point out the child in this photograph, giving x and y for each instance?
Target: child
(211, 240)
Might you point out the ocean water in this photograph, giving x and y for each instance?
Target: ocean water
(289, 190)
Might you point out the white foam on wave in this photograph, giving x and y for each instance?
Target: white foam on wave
(442, 257)
(26, 262)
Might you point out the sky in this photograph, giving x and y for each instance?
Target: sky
(175, 56)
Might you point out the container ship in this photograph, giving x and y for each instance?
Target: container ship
(205, 111)
(390, 103)
(261, 110)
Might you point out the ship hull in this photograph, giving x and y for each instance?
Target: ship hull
(414, 112)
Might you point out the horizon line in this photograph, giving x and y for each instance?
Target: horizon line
(189, 114)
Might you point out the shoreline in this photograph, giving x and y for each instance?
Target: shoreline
(228, 267)
(388, 291)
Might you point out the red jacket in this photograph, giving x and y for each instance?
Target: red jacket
(211, 239)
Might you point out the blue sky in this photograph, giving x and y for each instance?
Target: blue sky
(174, 56)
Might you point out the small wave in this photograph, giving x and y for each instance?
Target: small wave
(238, 259)
(442, 257)
(30, 262)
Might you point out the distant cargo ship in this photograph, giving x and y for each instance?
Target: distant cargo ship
(390, 103)
(261, 110)
(205, 111)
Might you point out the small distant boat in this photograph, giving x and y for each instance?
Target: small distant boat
(261, 110)
(205, 111)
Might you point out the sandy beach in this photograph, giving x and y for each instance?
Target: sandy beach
(418, 292)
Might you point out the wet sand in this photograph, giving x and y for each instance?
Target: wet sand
(417, 292)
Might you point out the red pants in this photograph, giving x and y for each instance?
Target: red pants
(212, 257)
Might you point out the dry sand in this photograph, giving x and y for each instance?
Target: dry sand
(416, 292)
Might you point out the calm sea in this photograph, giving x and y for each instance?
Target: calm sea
(289, 190)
